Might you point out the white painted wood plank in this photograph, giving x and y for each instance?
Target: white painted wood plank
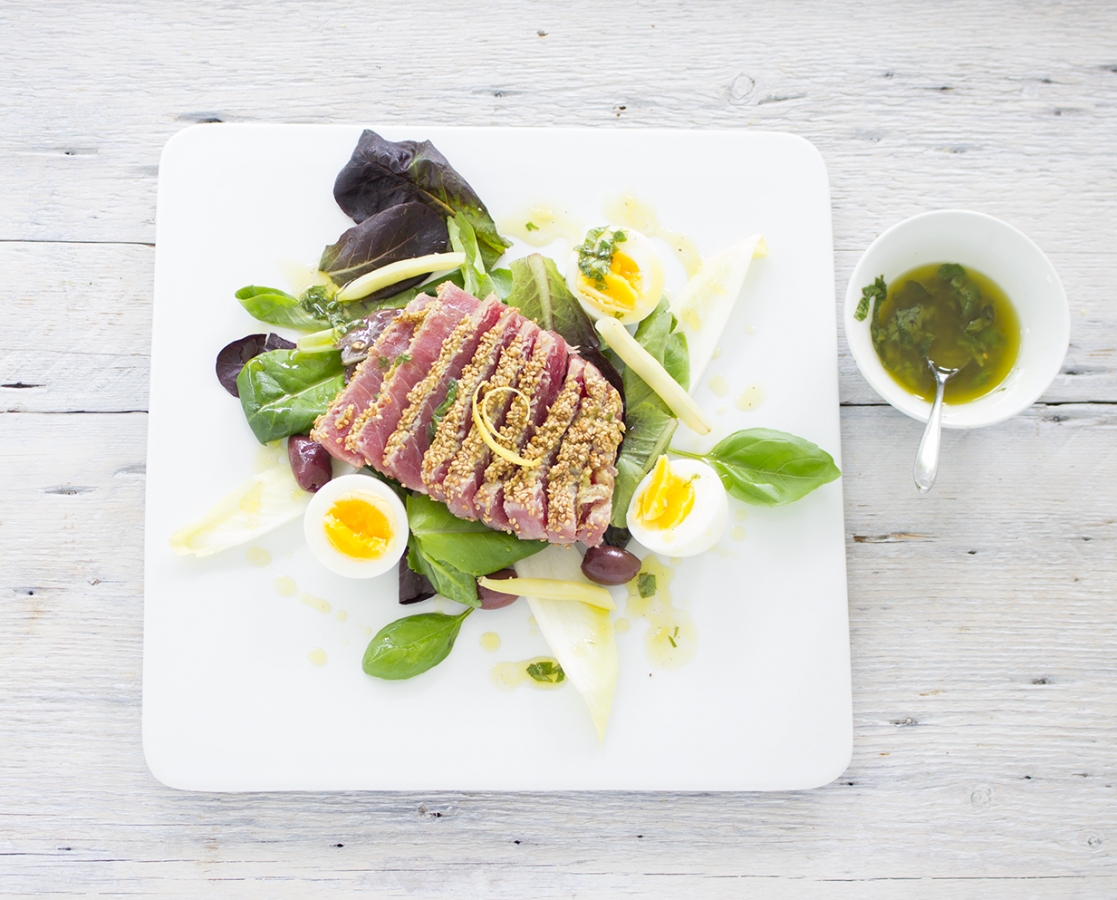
(75, 326)
(910, 108)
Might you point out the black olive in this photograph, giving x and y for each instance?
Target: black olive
(491, 599)
(610, 565)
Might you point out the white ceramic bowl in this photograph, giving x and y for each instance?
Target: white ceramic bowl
(1005, 255)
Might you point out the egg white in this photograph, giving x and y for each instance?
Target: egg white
(642, 252)
(368, 488)
(703, 526)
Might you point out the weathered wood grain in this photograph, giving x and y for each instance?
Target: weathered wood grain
(982, 697)
(75, 328)
(983, 616)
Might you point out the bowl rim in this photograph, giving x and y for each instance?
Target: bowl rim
(868, 363)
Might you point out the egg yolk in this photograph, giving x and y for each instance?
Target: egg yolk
(358, 527)
(622, 283)
(667, 500)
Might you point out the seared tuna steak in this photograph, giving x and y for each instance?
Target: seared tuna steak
(408, 411)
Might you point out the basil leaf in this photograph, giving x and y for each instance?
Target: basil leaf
(469, 547)
(284, 391)
(410, 646)
(769, 468)
(382, 173)
(278, 308)
(444, 407)
(397, 233)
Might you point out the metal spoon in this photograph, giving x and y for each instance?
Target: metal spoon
(927, 457)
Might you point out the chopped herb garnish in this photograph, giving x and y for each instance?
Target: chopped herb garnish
(383, 362)
(530, 226)
(671, 637)
(403, 358)
(645, 584)
(878, 290)
(443, 408)
(595, 254)
(546, 672)
(953, 316)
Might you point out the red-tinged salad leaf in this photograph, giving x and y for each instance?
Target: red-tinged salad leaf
(400, 232)
(232, 357)
(310, 462)
(284, 391)
(414, 587)
(539, 291)
(383, 173)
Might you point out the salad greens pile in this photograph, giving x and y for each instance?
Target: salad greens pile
(407, 202)
(452, 553)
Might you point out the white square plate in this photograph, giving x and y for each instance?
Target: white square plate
(231, 700)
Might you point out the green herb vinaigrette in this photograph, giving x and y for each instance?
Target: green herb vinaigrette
(956, 317)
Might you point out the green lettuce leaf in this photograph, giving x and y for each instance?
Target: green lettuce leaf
(467, 546)
(277, 307)
(539, 291)
(284, 391)
(649, 424)
(475, 280)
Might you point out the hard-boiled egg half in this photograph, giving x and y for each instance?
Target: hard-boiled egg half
(616, 272)
(679, 509)
(356, 526)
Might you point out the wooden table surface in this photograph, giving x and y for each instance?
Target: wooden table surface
(983, 616)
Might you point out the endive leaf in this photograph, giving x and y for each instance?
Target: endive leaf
(706, 300)
(264, 502)
(580, 636)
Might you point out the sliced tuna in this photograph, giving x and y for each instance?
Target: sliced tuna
(540, 380)
(594, 499)
(467, 467)
(404, 450)
(333, 427)
(372, 428)
(571, 466)
(525, 496)
(500, 352)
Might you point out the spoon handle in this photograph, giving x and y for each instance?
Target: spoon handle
(927, 457)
